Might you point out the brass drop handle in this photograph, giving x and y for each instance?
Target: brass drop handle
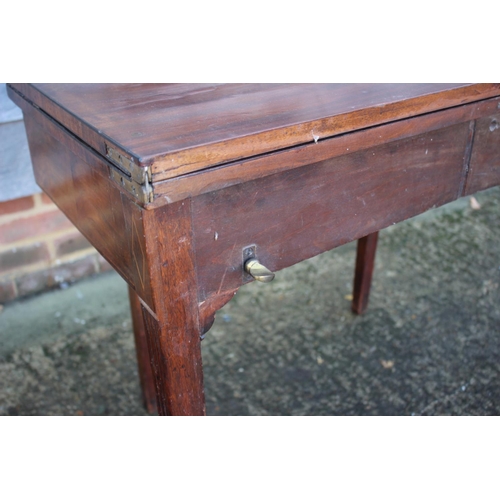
(258, 271)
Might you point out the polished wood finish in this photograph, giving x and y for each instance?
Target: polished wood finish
(137, 244)
(299, 213)
(212, 179)
(80, 186)
(174, 332)
(365, 263)
(485, 159)
(182, 128)
(141, 346)
(290, 170)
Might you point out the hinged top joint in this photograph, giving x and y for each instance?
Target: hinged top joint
(138, 178)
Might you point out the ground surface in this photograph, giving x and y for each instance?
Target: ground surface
(429, 343)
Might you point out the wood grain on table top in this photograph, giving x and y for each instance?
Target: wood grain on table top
(182, 128)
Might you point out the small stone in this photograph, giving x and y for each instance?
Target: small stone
(474, 204)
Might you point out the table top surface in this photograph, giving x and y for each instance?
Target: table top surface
(183, 128)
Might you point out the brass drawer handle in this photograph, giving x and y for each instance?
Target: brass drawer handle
(258, 271)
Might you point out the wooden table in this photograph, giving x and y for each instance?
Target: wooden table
(180, 186)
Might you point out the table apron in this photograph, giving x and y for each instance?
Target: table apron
(297, 214)
(289, 216)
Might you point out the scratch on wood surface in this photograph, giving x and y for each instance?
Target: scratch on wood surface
(139, 272)
(222, 280)
(148, 309)
(225, 271)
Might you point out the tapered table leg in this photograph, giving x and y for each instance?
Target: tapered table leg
(365, 261)
(177, 367)
(172, 319)
(141, 346)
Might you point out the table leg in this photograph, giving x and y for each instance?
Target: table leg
(175, 351)
(171, 315)
(365, 261)
(141, 346)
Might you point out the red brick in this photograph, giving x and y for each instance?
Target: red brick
(70, 243)
(17, 205)
(56, 276)
(7, 291)
(72, 271)
(23, 256)
(104, 265)
(46, 199)
(32, 283)
(30, 227)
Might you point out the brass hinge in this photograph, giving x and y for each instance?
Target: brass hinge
(132, 177)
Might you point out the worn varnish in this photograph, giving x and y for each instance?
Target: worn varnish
(104, 214)
(485, 160)
(181, 128)
(173, 333)
(141, 346)
(292, 170)
(212, 179)
(299, 213)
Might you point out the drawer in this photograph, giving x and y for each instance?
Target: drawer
(297, 214)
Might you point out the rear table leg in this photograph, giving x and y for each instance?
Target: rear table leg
(365, 261)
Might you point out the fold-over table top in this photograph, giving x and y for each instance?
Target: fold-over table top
(184, 128)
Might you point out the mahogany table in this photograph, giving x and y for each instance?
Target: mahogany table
(190, 191)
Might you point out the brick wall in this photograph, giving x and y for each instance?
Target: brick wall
(41, 249)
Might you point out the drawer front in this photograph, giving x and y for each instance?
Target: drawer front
(297, 214)
(484, 170)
